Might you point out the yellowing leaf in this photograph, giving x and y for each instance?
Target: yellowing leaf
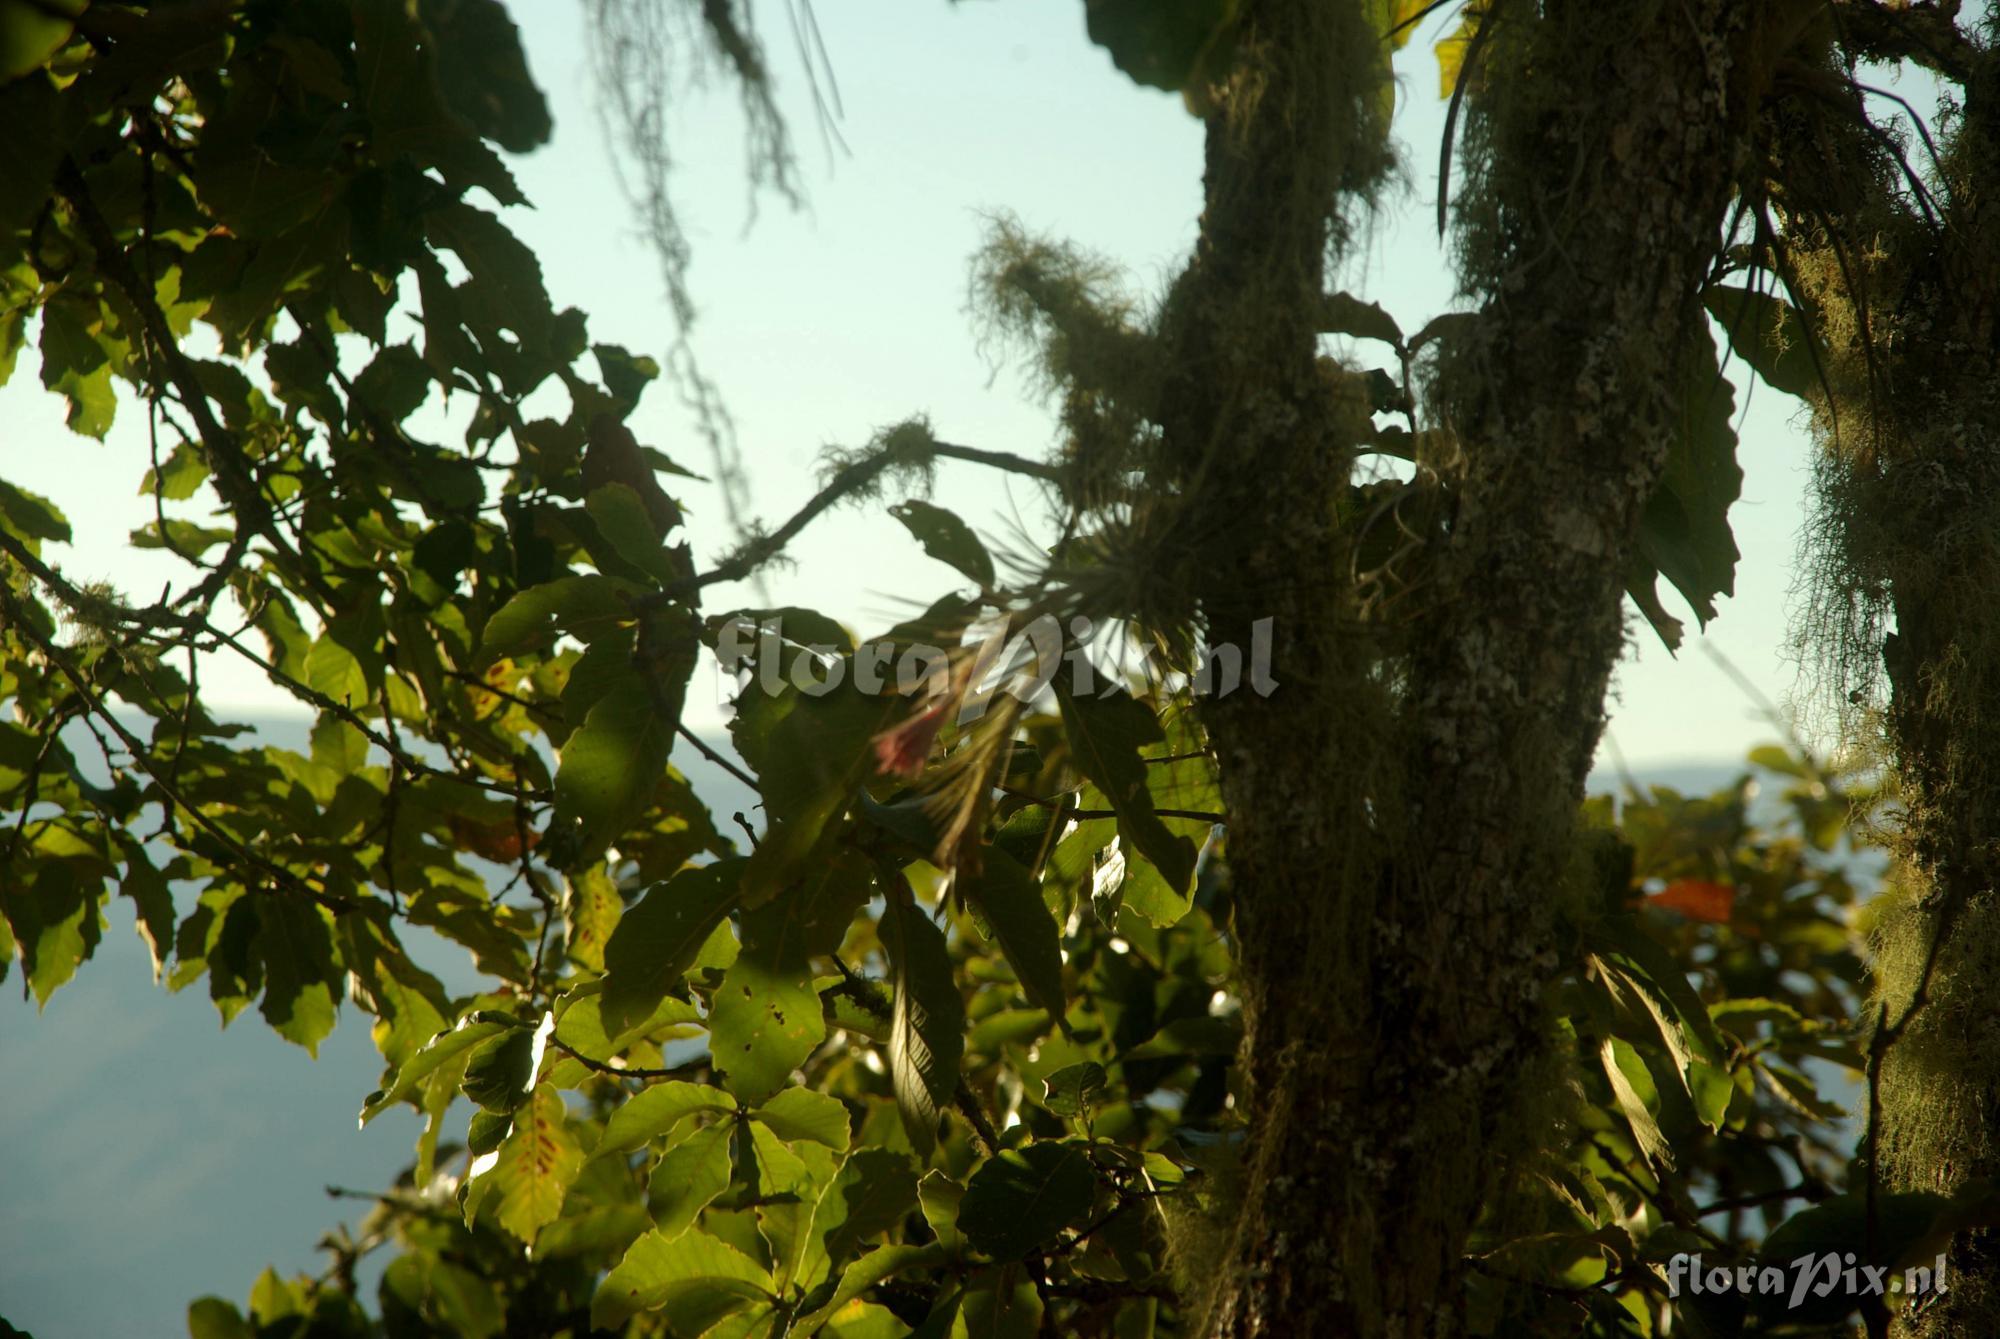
(1451, 49)
(535, 1167)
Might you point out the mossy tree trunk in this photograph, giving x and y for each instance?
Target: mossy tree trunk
(1910, 537)
(1403, 803)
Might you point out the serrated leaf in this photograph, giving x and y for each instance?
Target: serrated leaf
(695, 1279)
(655, 1111)
(873, 1192)
(1829, 1232)
(301, 981)
(801, 1113)
(926, 1021)
(1021, 1198)
(939, 1196)
(487, 1130)
(624, 523)
(483, 75)
(30, 515)
(535, 1167)
(658, 938)
(1684, 532)
(687, 1177)
(470, 1031)
(75, 364)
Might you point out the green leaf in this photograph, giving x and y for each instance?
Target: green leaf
(332, 669)
(1009, 901)
(765, 1017)
(695, 1280)
(301, 982)
(655, 1111)
(216, 1318)
(612, 766)
(1630, 1085)
(926, 1022)
(1768, 333)
(1831, 1230)
(585, 606)
(1684, 532)
(1002, 1303)
(500, 1075)
(1074, 1089)
(395, 383)
(946, 538)
(75, 365)
(940, 1197)
(1196, 1035)
(487, 1130)
(1106, 735)
(622, 520)
(1021, 1198)
(801, 1113)
(688, 1176)
(874, 1191)
(811, 754)
(31, 33)
(483, 73)
(471, 1031)
(656, 942)
(30, 515)
(871, 1269)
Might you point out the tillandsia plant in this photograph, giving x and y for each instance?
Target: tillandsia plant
(1287, 987)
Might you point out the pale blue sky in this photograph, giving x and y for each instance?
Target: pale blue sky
(821, 325)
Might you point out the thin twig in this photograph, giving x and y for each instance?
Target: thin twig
(137, 749)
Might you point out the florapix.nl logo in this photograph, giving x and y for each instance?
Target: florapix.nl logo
(1021, 662)
(1805, 1278)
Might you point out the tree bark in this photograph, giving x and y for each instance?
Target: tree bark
(1911, 536)
(1402, 805)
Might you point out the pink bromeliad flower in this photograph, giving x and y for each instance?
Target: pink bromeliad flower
(904, 748)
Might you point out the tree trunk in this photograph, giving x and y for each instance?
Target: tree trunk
(1910, 504)
(1402, 805)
